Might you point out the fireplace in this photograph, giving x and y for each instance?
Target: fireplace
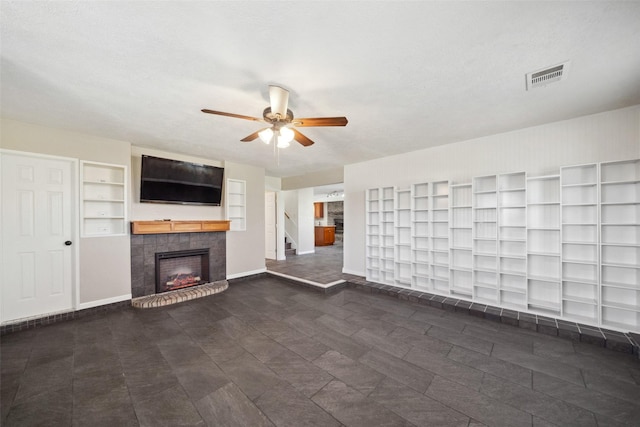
(181, 269)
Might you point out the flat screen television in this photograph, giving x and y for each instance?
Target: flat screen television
(174, 181)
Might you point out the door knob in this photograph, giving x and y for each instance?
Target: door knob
(68, 243)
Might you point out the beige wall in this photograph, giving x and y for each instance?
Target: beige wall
(245, 249)
(104, 262)
(541, 150)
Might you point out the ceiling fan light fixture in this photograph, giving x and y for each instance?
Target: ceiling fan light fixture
(285, 137)
(266, 135)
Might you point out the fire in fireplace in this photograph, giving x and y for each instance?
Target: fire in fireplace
(181, 269)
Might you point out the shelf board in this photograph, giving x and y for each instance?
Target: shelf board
(577, 280)
(547, 305)
(161, 227)
(631, 181)
(549, 254)
(581, 300)
(582, 184)
(621, 306)
(621, 286)
(611, 264)
(545, 279)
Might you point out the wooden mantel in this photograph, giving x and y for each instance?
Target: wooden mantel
(161, 226)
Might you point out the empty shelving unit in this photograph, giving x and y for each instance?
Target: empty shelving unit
(485, 239)
(460, 283)
(439, 243)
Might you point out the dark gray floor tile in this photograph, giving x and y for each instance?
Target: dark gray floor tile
(492, 365)
(461, 340)
(304, 376)
(341, 343)
(302, 345)
(345, 327)
(447, 368)
(286, 407)
(365, 309)
(437, 320)
(421, 340)
(392, 345)
(407, 323)
(612, 386)
(352, 408)
(221, 350)
(591, 400)
(519, 341)
(45, 378)
(200, 377)
(357, 375)
(537, 363)
(261, 346)
(170, 407)
(102, 401)
(398, 369)
(536, 403)
(149, 381)
(228, 406)
(248, 373)
(178, 354)
(371, 324)
(50, 408)
(415, 407)
(476, 405)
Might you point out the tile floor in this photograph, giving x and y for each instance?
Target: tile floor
(266, 352)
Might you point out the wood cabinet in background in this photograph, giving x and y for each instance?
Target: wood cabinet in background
(325, 235)
(318, 210)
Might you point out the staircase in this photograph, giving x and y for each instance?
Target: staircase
(288, 250)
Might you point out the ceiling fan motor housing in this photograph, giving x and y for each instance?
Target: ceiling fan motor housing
(274, 118)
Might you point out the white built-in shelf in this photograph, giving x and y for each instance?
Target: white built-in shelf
(460, 240)
(620, 244)
(579, 205)
(104, 199)
(236, 202)
(565, 246)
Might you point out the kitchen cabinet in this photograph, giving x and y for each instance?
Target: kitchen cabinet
(318, 210)
(325, 235)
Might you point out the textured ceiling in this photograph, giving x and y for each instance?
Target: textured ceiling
(407, 75)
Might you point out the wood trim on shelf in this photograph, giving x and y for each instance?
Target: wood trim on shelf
(161, 227)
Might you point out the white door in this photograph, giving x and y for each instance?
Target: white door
(37, 234)
(270, 235)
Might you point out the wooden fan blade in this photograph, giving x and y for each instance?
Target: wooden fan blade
(321, 121)
(253, 136)
(301, 138)
(237, 116)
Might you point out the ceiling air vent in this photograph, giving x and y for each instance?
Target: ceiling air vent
(547, 76)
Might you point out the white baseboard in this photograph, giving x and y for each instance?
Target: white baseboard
(308, 282)
(355, 273)
(105, 301)
(306, 252)
(246, 273)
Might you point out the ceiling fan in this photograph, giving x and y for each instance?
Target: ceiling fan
(281, 122)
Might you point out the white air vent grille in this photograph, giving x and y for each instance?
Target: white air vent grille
(548, 75)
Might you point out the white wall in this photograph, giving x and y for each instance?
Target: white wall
(306, 231)
(104, 262)
(314, 179)
(541, 150)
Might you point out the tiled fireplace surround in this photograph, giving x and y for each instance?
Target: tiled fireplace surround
(145, 246)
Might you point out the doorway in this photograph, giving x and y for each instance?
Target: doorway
(38, 234)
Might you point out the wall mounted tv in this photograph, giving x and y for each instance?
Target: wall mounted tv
(174, 181)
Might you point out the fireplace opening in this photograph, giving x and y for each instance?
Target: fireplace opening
(181, 269)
